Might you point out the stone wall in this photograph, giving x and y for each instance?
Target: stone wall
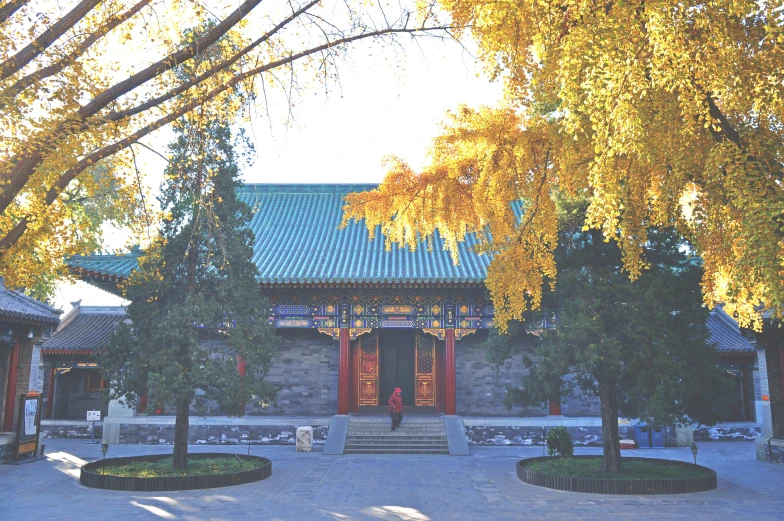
(72, 401)
(727, 433)
(306, 369)
(137, 434)
(582, 436)
(70, 429)
(481, 389)
(770, 449)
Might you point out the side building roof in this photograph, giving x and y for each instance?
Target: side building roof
(298, 241)
(83, 329)
(726, 334)
(15, 306)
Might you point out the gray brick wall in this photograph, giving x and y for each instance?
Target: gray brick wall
(306, 368)
(481, 389)
(72, 401)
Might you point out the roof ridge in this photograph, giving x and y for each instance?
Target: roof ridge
(113, 310)
(30, 300)
(726, 318)
(300, 188)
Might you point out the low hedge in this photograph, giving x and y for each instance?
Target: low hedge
(617, 486)
(91, 475)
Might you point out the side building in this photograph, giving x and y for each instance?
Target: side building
(71, 376)
(24, 322)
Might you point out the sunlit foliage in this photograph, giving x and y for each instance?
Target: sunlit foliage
(662, 113)
(83, 82)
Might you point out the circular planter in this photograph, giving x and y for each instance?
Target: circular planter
(617, 486)
(91, 475)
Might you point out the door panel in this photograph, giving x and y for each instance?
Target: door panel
(396, 364)
(388, 368)
(368, 370)
(405, 370)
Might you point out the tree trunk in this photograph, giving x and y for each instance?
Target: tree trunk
(611, 443)
(181, 434)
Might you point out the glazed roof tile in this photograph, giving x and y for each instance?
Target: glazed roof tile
(84, 328)
(17, 306)
(298, 240)
(725, 333)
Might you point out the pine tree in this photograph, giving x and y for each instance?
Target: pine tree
(642, 347)
(195, 305)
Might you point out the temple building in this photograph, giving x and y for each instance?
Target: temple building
(357, 320)
(71, 376)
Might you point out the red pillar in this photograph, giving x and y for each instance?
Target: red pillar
(451, 394)
(240, 365)
(241, 372)
(50, 394)
(353, 390)
(10, 395)
(343, 372)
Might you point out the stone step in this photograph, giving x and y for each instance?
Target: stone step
(391, 439)
(370, 446)
(412, 419)
(395, 435)
(420, 419)
(387, 425)
(396, 451)
(396, 431)
(401, 443)
(414, 436)
(389, 422)
(409, 424)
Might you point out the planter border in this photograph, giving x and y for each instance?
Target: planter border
(91, 475)
(617, 486)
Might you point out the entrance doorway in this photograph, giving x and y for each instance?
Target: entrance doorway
(387, 358)
(396, 363)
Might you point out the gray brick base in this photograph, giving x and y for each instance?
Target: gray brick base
(136, 434)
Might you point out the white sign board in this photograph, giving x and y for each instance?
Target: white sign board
(93, 416)
(30, 411)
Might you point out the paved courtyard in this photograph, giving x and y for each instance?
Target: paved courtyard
(406, 488)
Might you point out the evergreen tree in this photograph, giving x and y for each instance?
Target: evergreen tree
(642, 347)
(196, 306)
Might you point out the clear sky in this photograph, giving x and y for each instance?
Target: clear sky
(387, 102)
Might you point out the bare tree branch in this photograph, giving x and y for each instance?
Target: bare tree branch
(45, 72)
(10, 8)
(69, 175)
(47, 38)
(116, 116)
(25, 166)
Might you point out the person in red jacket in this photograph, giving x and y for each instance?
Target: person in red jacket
(396, 408)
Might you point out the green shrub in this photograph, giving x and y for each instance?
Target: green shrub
(559, 442)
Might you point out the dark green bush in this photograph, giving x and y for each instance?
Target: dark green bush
(559, 442)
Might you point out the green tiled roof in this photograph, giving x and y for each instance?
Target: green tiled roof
(298, 241)
(104, 264)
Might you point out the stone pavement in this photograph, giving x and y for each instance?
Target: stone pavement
(312, 486)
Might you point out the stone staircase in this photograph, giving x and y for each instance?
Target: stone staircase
(417, 435)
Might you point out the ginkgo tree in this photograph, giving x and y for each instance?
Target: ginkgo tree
(82, 82)
(662, 113)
